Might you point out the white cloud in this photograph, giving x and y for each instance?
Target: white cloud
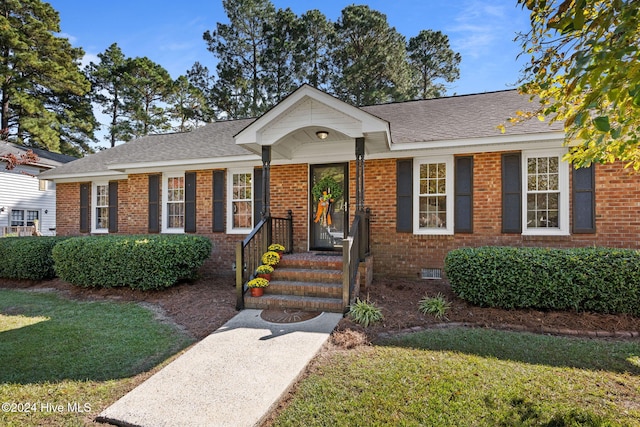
(88, 58)
(479, 27)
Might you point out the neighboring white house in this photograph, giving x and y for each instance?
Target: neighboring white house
(23, 197)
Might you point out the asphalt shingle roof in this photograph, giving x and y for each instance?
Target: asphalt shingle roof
(45, 158)
(440, 119)
(458, 117)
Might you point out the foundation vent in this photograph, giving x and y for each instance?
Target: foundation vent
(431, 273)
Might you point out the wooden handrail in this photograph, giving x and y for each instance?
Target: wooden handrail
(249, 251)
(355, 248)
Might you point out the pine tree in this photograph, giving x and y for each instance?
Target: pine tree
(148, 87)
(239, 47)
(370, 57)
(108, 84)
(431, 59)
(42, 88)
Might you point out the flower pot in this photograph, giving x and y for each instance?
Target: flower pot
(257, 292)
(265, 276)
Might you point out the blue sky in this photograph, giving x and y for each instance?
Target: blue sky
(169, 33)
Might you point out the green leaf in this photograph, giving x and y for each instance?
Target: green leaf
(602, 123)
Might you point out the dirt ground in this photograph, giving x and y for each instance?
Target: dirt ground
(205, 305)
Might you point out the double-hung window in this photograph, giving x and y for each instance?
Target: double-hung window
(433, 195)
(173, 192)
(24, 217)
(240, 207)
(546, 193)
(101, 208)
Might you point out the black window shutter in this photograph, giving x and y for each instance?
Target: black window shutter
(84, 207)
(190, 202)
(218, 200)
(154, 203)
(257, 195)
(511, 193)
(584, 200)
(113, 207)
(463, 201)
(404, 196)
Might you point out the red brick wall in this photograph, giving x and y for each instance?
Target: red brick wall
(397, 254)
(68, 209)
(405, 254)
(290, 190)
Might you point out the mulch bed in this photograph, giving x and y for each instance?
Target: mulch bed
(202, 307)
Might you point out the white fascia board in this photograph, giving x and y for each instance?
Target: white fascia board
(164, 165)
(539, 143)
(470, 142)
(87, 176)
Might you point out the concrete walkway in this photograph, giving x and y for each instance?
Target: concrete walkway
(233, 377)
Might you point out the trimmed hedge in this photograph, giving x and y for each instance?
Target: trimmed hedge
(27, 257)
(139, 262)
(583, 279)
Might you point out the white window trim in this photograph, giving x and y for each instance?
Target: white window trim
(165, 201)
(94, 205)
(230, 228)
(448, 230)
(563, 187)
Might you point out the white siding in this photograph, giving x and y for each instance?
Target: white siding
(21, 191)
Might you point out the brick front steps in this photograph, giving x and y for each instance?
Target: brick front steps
(307, 281)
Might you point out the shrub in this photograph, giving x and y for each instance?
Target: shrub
(139, 262)
(437, 306)
(27, 257)
(582, 279)
(365, 313)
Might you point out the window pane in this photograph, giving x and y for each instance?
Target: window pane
(242, 215)
(175, 215)
(175, 189)
(433, 212)
(433, 178)
(543, 163)
(102, 195)
(175, 202)
(17, 218)
(542, 192)
(242, 200)
(433, 195)
(102, 218)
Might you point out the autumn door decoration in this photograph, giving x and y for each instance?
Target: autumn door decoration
(325, 192)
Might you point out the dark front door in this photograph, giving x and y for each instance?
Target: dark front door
(329, 207)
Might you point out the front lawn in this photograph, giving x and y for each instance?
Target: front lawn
(63, 361)
(473, 377)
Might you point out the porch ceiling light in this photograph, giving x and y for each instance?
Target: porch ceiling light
(322, 134)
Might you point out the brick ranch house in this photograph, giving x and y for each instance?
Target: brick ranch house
(436, 175)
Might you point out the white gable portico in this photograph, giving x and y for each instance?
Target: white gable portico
(291, 127)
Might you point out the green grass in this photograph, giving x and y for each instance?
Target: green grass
(55, 351)
(473, 377)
